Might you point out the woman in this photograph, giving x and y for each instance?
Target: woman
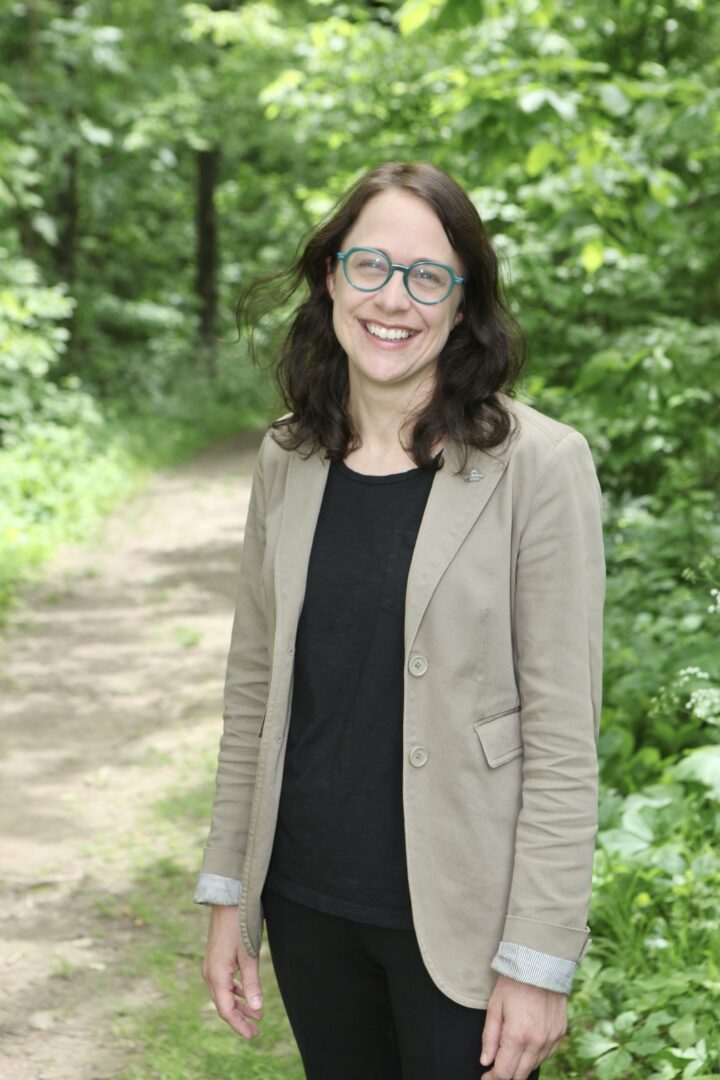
(406, 789)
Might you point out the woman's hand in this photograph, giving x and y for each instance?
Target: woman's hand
(523, 1026)
(238, 1002)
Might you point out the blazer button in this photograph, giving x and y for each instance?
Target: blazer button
(418, 756)
(418, 664)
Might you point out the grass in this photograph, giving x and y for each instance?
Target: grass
(187, 636)
(178, 1035)
(63, 969)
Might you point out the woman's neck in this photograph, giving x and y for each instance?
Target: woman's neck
(377, 461)
(383, 418)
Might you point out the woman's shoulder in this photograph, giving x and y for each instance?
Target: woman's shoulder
(535, 430)
(273, 458)
(541, 445)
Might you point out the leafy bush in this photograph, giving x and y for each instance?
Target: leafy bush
(645, 1002)
(32, 339)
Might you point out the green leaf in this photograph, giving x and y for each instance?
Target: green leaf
(46, 227)
(287, 81)
(703, 765)
(693, 1068)
(564, 105)
(93, 134)
(625, 1021)
(590, 1045)
(665, 187)
(614, 1064)
(459, 13)
(592, 255)
(539, 157)
(613, 100)
(644, 1045)
(532, 100)
(415, 13)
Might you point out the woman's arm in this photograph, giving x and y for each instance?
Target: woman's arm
(245, 697)
(560, 590)
(238, 1002)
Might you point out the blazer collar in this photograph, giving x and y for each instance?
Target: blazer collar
(453, 506)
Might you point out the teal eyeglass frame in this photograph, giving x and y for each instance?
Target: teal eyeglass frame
(455, 280)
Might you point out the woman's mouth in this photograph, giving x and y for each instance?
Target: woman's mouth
(388, 333)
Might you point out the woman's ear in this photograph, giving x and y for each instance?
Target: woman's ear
(330, 277)
(458, 318)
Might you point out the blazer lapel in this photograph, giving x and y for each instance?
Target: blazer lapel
(453, 506)
(304, 490)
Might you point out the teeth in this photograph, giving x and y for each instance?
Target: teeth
(386, 334)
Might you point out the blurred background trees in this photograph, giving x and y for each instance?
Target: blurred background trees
(155, 157)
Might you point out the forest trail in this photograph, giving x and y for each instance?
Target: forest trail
(112, 667)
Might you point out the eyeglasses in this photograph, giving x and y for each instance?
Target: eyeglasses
(426, 281)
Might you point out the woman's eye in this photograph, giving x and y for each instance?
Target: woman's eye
(427, 275)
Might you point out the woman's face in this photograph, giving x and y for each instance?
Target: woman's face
(406, 229)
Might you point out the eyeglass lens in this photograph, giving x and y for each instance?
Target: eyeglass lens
(370, 270)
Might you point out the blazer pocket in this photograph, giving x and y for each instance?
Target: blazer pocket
(500, 736)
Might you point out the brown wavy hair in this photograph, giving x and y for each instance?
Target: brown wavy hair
(483, 354)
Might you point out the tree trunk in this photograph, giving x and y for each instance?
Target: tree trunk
(68, 212)
(28, 237)
(67, 200)
(208, 162)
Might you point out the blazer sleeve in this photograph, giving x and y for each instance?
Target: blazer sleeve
(245, 697)
(559, 597)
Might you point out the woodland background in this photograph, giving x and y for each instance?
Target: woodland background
(157, 156)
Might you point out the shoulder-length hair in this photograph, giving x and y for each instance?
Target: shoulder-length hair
(482, 357)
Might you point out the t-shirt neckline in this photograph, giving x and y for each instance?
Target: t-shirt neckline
(388, 478)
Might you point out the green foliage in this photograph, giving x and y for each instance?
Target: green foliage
(31, 341)
(53, 484)
(68, 469)
(645, 1002)
(587, 135)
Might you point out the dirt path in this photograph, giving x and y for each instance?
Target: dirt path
(114, 663)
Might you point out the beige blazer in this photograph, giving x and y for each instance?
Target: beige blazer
(503, 656)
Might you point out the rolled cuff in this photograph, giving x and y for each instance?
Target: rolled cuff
(224, 863)
(567, 942)
(526, 965)
(214, 889)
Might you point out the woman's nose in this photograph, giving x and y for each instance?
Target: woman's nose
(394, 296)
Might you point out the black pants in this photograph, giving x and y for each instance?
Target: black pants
(361, 1003)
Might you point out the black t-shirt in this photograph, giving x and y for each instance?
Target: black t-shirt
(339, 842)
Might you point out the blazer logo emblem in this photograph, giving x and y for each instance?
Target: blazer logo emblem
(473, 475)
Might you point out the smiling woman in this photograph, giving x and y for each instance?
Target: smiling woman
(484, 348)
(389, 336)
(406, 788)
